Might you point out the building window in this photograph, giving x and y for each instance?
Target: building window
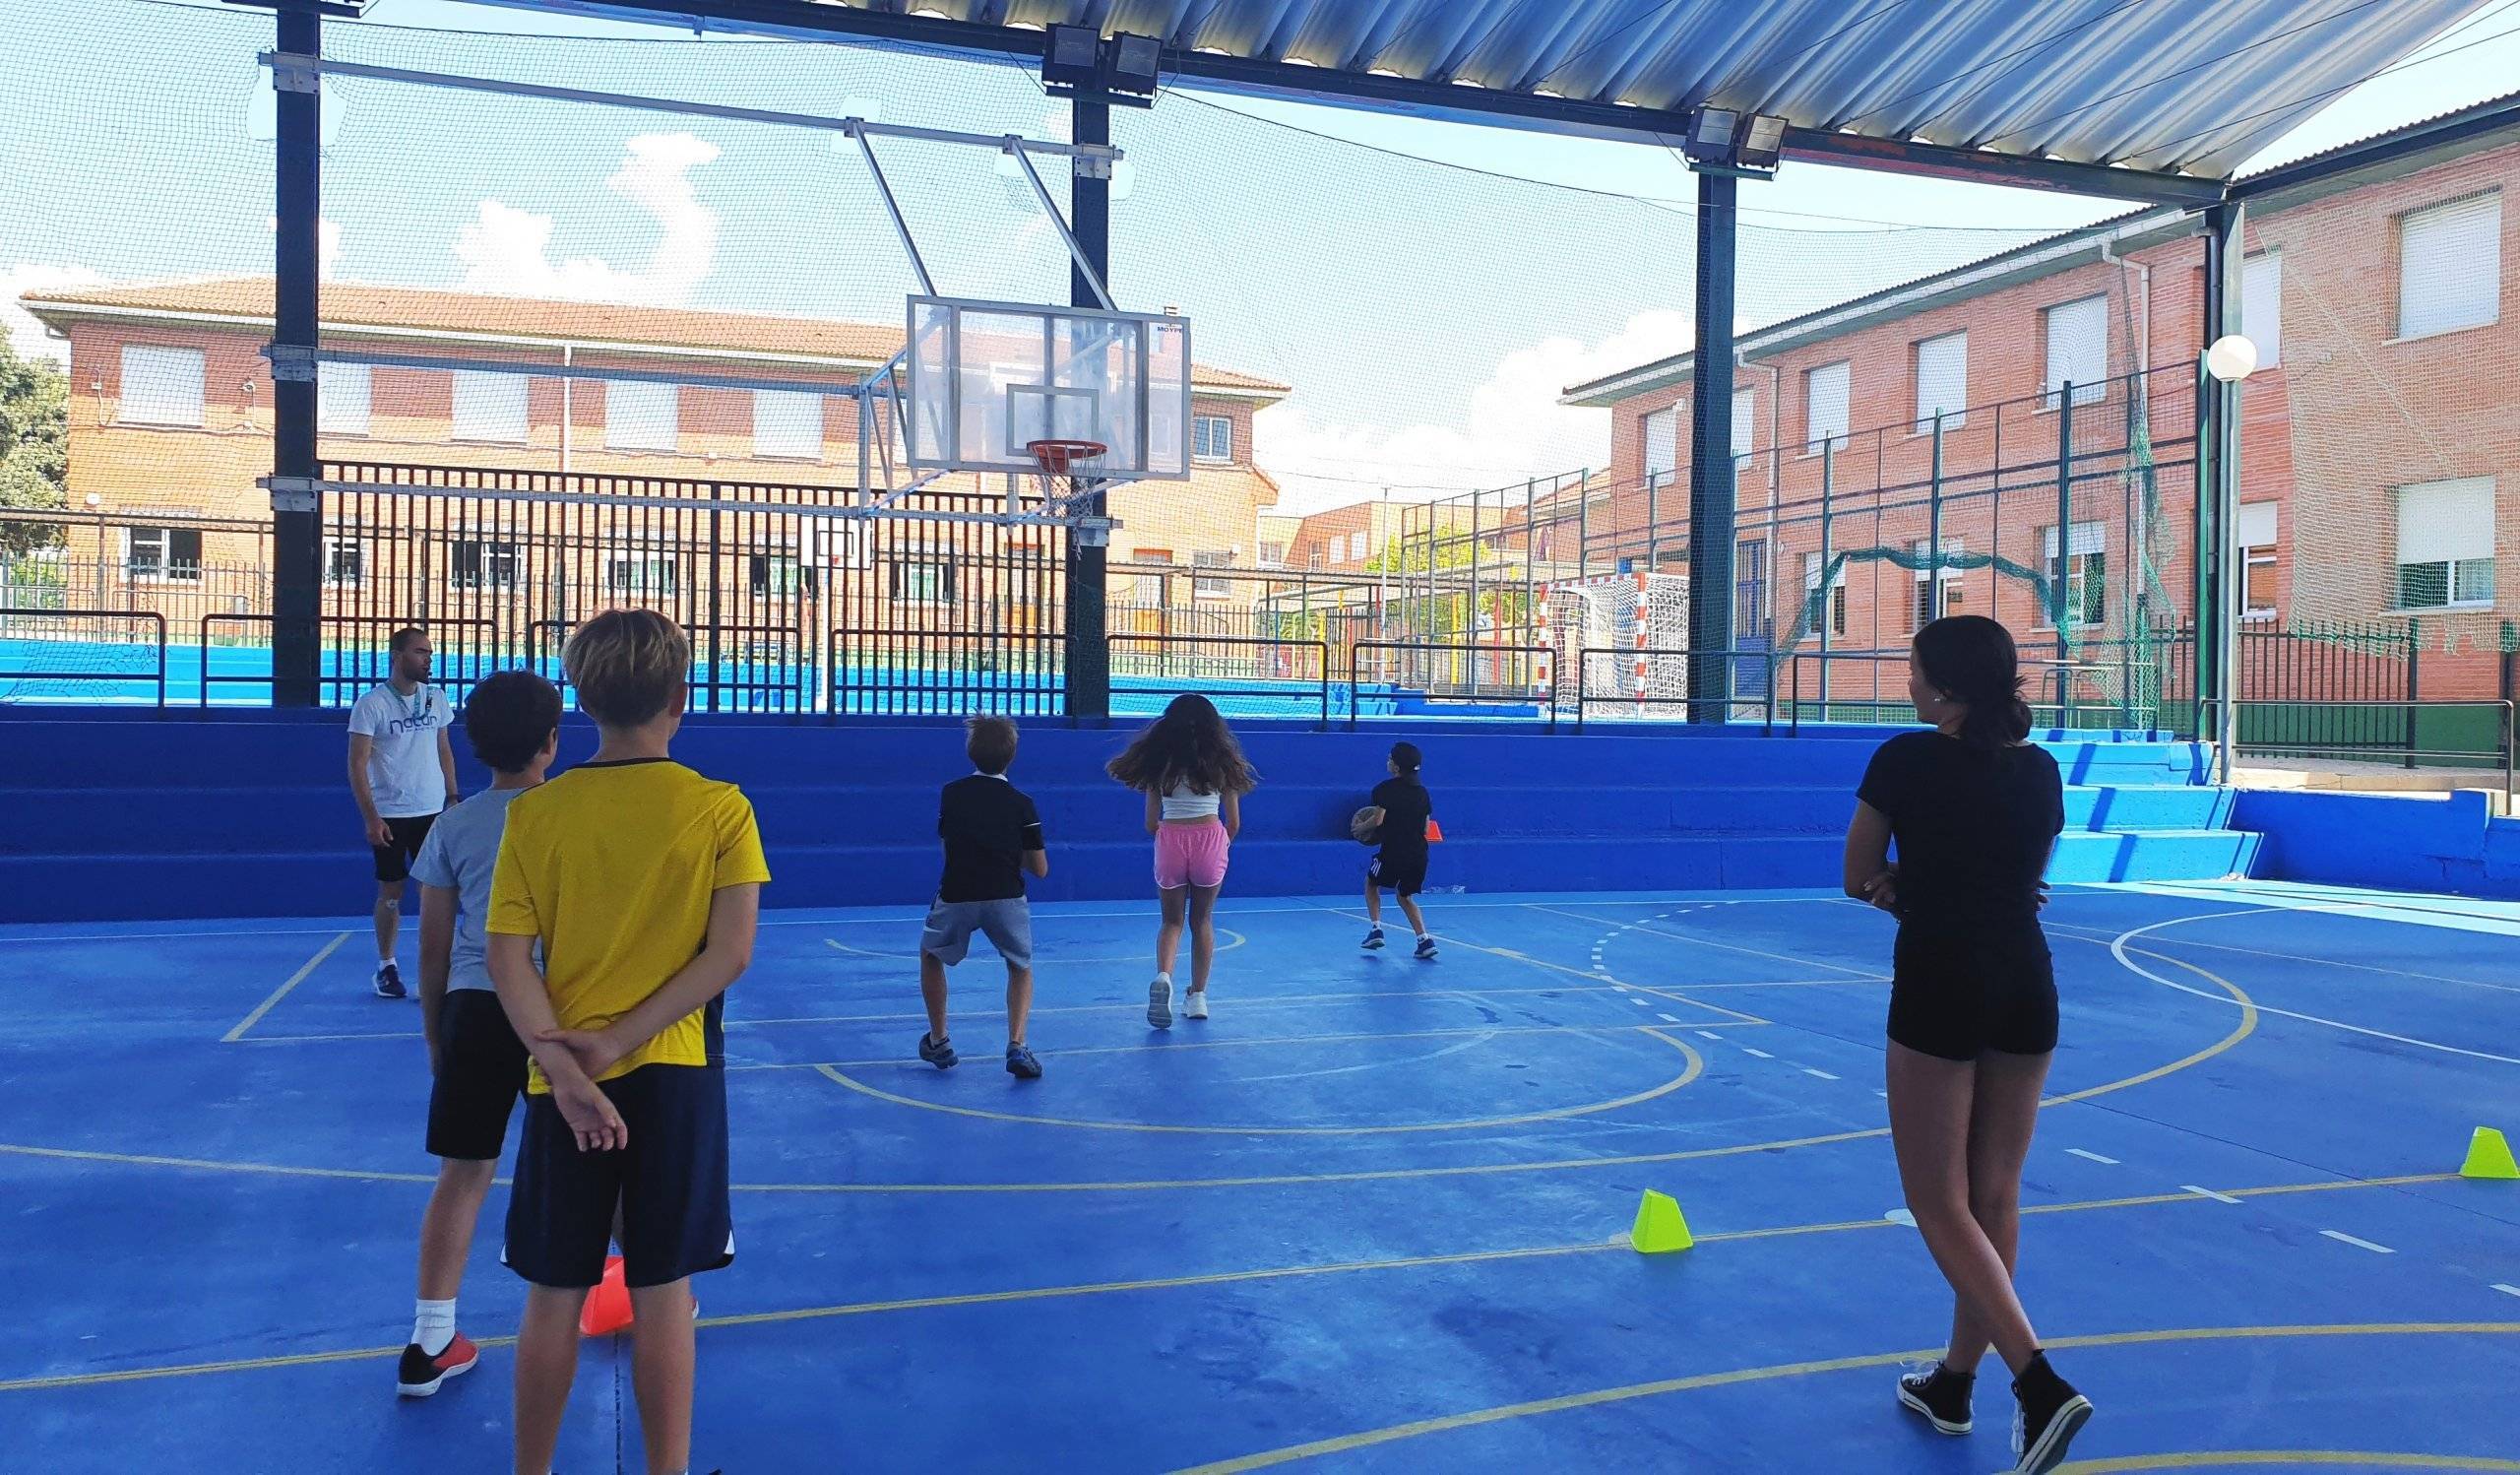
(489, 407)
(2445, 544)
(2077, 350)
(787, 424)
(341, 398)
(1272, 555)
(1824, 406)
(923, 583)
(1745, 422)
(640, 573)
(1212, 437)
(2262, 306)
(1209, 587)
(2257, 557)
(160, 386)
(2450, 266)
(1360, 546)
(641, 416)
(1941, 368)
(1932, 571)
(345, 562)
(780, 576)
(1837, 608)
(154, 555)
(1663, 443)
(1154, 590)
(480, 563)
(2083, 575)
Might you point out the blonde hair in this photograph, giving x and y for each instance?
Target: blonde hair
(629, 665)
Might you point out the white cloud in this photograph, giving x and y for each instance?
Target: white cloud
(25, 334)
(507, 251)
(328, 242)
(1512, 425)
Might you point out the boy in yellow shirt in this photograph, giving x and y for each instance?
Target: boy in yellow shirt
(641, 880)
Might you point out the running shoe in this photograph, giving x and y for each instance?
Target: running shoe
(1941, 1395)
(937, 1053)
(1158, 1003)
(1374, 940)
(388, 981)
(420, 1374)
(1021, 1063)
(2049, 1416)
(1195, 1004)
(1427, 948)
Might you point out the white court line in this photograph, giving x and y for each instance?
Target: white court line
(1822, 1074)
(1708, 1034)
(2506, 1290)
(280, 992)
(2118, 947)
(2097, 934)
(2346, 1238)
(1643, 1003)
(1668, 1019)
(1761, 1053)
(2092, 1157)
(2208, 1193)
(1773, 957)
(1884, 1095)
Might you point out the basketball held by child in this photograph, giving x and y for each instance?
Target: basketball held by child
(1365, 825)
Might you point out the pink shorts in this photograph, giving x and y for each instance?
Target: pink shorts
(1190, 854)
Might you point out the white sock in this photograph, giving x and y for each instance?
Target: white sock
(1163, 978)
(433, 1324)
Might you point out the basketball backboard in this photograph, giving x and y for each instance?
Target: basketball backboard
(988, 379)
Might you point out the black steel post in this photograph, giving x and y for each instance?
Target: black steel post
(1711, 478)
(297, 533)
(1089, 655)
(2218, 488)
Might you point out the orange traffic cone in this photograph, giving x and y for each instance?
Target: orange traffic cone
(607, 1308)
(1434, 832)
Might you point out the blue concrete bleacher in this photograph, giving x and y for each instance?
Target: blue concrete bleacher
(233, 814)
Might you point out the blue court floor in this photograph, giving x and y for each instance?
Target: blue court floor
(1369, 1217)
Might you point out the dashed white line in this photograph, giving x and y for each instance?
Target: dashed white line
(2208, 1193)
(1761, 1053)
(1642, 1004)
(2506, 1290)
(1822, 1074)
(2346, 1238)
(1668, 1019)
(1708, 1034)
(2092, 1157)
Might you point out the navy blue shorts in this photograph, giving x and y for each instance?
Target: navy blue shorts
(1400, 872)
(480, 1073)
(669, 1183)
(1958, 992)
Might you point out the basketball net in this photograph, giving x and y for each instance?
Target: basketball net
(1057, 459)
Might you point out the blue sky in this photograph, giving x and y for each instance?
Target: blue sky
(1425, 314)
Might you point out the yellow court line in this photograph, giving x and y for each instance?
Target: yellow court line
(1696, 1066)
(280, 992)
(2233, 1459)
(1346, 1444)
(1177, 1282)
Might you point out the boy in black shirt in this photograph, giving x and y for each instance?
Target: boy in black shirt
(1400, 863)
(993, 836)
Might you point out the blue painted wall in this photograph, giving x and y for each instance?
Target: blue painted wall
(2451, 845)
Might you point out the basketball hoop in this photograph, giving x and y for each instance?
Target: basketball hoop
(1058, 458)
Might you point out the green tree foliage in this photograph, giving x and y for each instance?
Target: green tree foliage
(35, 447)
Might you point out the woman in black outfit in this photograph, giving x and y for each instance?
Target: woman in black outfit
(1975, 810)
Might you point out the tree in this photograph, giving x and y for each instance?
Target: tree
(35, 447)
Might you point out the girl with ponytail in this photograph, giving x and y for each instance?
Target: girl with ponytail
(1975, 810)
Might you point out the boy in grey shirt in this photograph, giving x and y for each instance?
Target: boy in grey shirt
(475, 1060)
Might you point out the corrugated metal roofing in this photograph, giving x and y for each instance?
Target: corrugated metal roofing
(2155, 84)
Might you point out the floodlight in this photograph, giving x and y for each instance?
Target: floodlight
(1071, 55)
(1135, 63)
(1710, 136)
(2232, 358)
(1763, 142)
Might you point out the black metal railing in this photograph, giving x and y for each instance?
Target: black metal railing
(1501, 690)
(1268, 667)
(358, 654)
(1643, 700)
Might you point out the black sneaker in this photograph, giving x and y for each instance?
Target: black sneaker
(937, 1053)
(1426, 947)
(388, 981)
(1021, 1063)
(2049, 1415)
(1374, 940)
(1940, 1395)
(420, 1374)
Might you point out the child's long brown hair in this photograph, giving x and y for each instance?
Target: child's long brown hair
(1190, 746)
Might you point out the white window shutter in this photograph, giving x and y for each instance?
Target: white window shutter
(787, 423)
(1746, 421)
(2262, 306)
(1662, 442)
(641, 416)
(2450, 266)
(2078, 347)
(2089, 538)
(2446, 522)
(1942, 380)
(2258, 525)
(161, 386)
(1824, 406)
(489, 407)
(341, 398)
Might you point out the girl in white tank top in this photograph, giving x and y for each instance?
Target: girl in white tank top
(1192, 776)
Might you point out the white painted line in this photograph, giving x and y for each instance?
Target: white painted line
(1642, 1004)
(1623, 987)
(2346, 1238)
(1877, 1091)
(1761, 1053)
(2506, 1290)
(1901, 1216)
(2092, 1157)
(1668, 1019)
(1708, 1034)
(1822, 1074)
(280, 992)
(2208, 1193)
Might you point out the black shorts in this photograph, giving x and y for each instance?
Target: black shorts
(1400, 872)
(480, 1072)
(1958, 993)
(671, 1183)
(394, 862)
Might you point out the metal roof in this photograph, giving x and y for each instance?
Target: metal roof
(2060, 93)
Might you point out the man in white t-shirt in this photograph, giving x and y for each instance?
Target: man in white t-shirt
(402, 775)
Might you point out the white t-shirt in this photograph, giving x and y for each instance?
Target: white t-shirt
(1183, 804)
(403, 773)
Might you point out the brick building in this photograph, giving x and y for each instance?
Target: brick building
(170, 424)
(2380, 454)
